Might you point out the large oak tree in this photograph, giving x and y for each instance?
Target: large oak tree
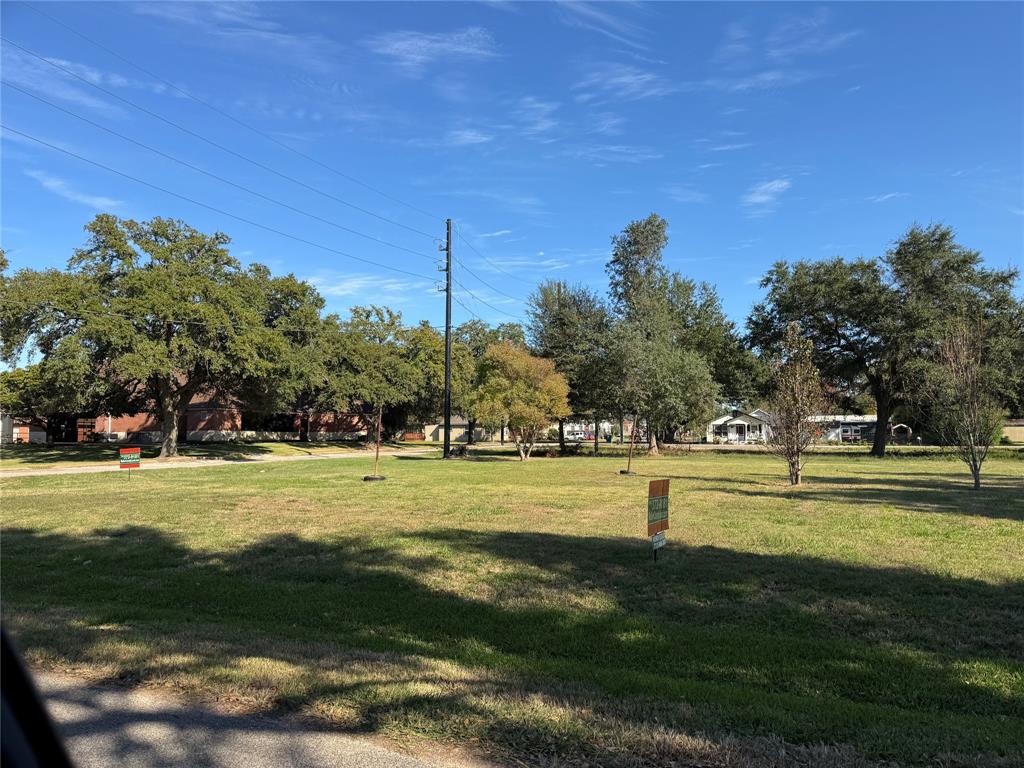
(874, 322)
(158, 313)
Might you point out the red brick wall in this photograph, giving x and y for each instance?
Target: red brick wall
(139, 422)
(214, 419)
(336, 422)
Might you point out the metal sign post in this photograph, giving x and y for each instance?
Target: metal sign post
(657, 513)
(129, 458)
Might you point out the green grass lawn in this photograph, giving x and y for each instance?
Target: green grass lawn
(874, 614)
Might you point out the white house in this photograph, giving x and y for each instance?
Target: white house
(742, 427)
(739, 427)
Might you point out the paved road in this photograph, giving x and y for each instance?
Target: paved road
(149, 729)
(193, 463)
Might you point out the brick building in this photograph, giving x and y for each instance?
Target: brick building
(203, 420)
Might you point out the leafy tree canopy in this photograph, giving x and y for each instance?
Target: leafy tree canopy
(874, 322)
(521, 391)
(162, 312)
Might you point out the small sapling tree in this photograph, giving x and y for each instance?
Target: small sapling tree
(797, 396)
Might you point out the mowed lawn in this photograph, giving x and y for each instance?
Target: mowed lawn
(874, 614)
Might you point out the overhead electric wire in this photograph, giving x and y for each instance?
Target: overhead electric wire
(485, 303)
(215, 209)
(488, 285)
(471, 312)
(212, 175)
(231, 117)
(213, 143)
(458, 231)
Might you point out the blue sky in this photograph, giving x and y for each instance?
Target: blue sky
(760, 131)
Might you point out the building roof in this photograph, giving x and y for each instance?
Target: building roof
(740, 417)
(867, 418)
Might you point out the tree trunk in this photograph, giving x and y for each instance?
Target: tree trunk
(622, 430)
(596, 436)
(976, 473)
(502, 434)
(471, 426)
(883, 407)
(304, 420)
(652, 440)
(794, 472)
(561, 436)
(169, 429)
(376, 453)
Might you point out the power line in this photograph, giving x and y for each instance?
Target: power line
(484, 258)
(213, 143)
(212, 175)
(213, 208)
(488, 285)
(229, 116)
(471, 312)
(486, 304)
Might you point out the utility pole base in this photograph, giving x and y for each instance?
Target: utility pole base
(626, 472)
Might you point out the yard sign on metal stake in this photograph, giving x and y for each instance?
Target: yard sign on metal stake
(129, 459)
(657, 513)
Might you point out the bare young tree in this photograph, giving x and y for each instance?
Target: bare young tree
(964, 411)
(797, 396)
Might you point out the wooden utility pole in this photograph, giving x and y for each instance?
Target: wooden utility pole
(448, 343)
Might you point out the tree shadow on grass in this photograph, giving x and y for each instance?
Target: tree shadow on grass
(1001, 496)
(93, 453)
(617, 650)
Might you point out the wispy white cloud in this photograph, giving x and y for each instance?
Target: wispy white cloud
(21, 140)
(765, 80)
(764, 196)
(525, 263)
(34, 75)
(606, 123)
(413, 51)
(684, 194)
(746, 62)
(597, 17)
(614, 82)
(605, 154)
(886, 196)
(462, 137)
(730, 147)
(497, 233)
(536, 117)
(337, 285)
(806, 35)
(63, 188)
(508, 199)
(737, 49)
(247, 26)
